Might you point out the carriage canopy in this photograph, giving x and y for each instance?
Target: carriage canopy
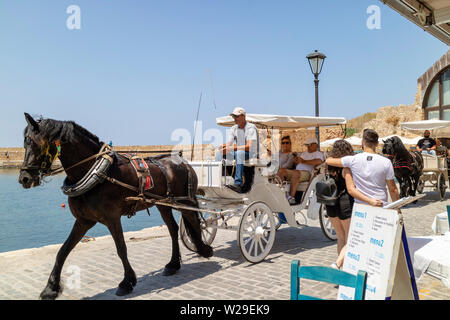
(283, 122)
(438, 128)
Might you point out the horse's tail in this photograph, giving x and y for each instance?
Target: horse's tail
(191, 221)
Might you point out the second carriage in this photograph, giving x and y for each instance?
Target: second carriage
(257, 214)
(435, 172)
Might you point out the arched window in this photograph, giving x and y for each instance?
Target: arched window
(437, 97)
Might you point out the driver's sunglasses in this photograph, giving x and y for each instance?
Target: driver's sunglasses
(285, 142)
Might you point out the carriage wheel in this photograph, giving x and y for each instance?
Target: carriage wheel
(326, 225)
(208, 227)
(442, 187)
(256, 233)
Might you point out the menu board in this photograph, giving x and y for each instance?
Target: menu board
(373, 245)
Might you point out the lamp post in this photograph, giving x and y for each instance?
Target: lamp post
(316, 60)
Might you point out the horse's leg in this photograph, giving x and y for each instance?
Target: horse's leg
(53, 288)
(174, 264)
(411, 186)
(401, 183)
(192, 223)
(129, 280)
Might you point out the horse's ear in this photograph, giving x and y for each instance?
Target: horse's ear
(32, 122)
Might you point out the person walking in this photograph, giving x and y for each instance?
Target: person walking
(373, 174)
(340, 213)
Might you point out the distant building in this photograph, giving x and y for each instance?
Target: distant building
(435, 87)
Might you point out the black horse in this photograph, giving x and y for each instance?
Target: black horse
(408, 165)
(46, 139)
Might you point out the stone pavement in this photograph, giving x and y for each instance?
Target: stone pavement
(93, 269)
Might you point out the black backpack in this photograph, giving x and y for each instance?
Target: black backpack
(326, 192)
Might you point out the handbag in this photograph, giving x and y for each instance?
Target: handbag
(326, 192)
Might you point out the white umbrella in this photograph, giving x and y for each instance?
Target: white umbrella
(413, 140)
(329, 143)
(354, 141)
(403, 139)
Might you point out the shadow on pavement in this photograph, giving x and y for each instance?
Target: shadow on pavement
(288, 241)
(155, 282)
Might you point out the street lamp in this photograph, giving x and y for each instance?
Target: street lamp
(316, 60)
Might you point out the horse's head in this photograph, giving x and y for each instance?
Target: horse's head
(39, 154)
(388, 147)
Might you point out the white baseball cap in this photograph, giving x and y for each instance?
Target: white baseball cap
(237, 111)
(310, 141)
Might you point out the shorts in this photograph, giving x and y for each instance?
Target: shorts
(343, 208)
(304, 175)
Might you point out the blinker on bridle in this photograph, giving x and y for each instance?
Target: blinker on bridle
(46, 165)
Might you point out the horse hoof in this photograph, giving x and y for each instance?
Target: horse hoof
(206, 251)
(48, 294)
(169, 272)
(123, 291)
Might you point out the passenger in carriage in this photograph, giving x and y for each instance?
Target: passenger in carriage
(427, 145)
(286, 156)
(304, 165)
(241, 145)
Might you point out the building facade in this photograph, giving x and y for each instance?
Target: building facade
(435, 87)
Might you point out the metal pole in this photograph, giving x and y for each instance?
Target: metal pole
(316, 84)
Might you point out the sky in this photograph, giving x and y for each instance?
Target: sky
(134, 71)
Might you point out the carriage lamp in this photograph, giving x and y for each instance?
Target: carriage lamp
(316, 60)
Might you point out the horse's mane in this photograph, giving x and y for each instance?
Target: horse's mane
(400, 148)
(65, 131)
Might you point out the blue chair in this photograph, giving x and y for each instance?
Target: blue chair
(326, 274)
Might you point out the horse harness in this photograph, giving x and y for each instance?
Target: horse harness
(399, 164)
(98, 174)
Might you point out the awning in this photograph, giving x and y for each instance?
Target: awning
(283, 122)
(438, 128)
(433, 16)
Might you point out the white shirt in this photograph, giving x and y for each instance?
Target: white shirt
(309, 156)
(370, 172)
(240, 136)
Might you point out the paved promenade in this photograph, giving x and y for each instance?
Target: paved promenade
(93, 269)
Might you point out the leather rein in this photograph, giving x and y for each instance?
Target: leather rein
(97, 174)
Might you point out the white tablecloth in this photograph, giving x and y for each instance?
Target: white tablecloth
(440, 223)
(432, 251)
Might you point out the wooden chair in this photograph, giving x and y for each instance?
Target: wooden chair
(326, 274)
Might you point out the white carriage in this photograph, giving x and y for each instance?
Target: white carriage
(435, 172)
(257, 214)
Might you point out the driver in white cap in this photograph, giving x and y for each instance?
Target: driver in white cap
(241, 145)
(305, 164)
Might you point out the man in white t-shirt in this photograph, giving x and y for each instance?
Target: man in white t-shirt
(371, 172)
(304, 166)
(242, 144)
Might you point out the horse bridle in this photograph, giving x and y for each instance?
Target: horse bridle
(45, 168)
(46, 165)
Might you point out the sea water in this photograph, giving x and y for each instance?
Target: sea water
(34, 217)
